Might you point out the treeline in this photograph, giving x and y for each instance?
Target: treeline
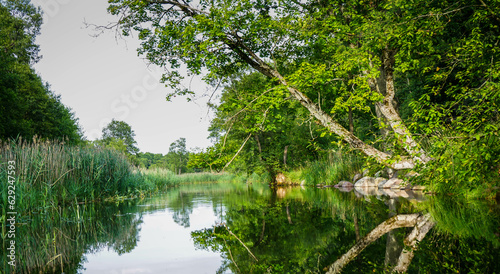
(28, 107)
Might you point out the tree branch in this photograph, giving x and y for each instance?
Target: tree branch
(424, 225)
(388, 110)
(398, 221)
(184, 7)
(239, 150)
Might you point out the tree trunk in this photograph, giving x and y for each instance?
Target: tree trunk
(238, 46)
(388, 110)
(288, 215)
(259, 147)
(393, 247)
(238, 152)
(424, 225)
(285, 154)
(408, 220)
(351, 121)
(325, 119)
(356, 228)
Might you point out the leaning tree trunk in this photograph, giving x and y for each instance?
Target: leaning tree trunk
(398, 221)
(423, 226)
(238, 46)
(392, 247)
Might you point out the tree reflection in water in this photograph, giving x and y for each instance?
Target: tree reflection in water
(421, 225)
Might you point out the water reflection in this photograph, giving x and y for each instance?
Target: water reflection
(238, 228)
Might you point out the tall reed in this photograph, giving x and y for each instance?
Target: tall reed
(51, 173)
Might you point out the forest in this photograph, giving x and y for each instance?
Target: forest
(302, 92)
(316, 90)
(403, 85)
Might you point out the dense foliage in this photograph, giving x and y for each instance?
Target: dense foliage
(414, 82)
(28, 107)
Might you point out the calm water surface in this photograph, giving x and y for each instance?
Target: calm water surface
(239, 228)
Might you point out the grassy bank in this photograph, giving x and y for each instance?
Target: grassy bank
(156, 179)
(337, 167)
(49, 174)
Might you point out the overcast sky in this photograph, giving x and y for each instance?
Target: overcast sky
(103, 78)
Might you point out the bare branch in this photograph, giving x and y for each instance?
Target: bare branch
(238, 152)
(184, 7)
(251, 102)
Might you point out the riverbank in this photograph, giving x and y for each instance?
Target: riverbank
(450, 178)
(41, 174)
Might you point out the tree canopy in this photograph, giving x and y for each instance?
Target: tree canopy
(121, 135)
(423, 69)
(28, 107)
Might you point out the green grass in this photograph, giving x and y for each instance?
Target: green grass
(340, 166)
(463, 165)
(465, 217)
(162, 178)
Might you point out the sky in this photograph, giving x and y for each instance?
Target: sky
(102, 78)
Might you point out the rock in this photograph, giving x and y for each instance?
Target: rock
(402, 193)
(345, 184)
(366, 182)
(394, 182)
(390, 173)
(400, 184)
(280, 178)
(373, 191)
(345, 189)
(380, 181)
(389, 192)
(405, 185)
(379, 173)
(356, 178)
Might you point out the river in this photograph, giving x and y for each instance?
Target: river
(245, 228)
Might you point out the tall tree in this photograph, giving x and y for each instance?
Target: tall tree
(120, 134)
(28, 107)
(352, 53)
(178, 155)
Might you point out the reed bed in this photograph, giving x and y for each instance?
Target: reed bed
(161, 178)
(51, 173)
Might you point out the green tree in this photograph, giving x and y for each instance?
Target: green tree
(28, 107)
(265, 129)
(178, 156)
(119, 135)
(437, 59)
(212, 158)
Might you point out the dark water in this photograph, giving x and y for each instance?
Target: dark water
(239, 228)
